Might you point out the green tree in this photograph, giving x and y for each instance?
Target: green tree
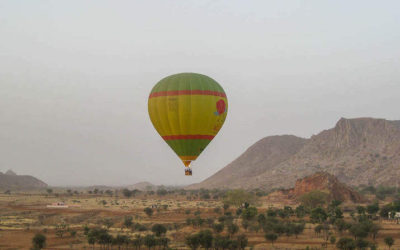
(127, 193)
(217, 210)
(361, 244)
(222, 242)
(205, 238)
(346, 244)
(389, 241)
(137, 241)
(149, 241)
(261, 219)
(361, 210)
(61, 229)
(226, 206)
(72, 233)
(38, 241)
(359, 230)
(128, 221)
(120, 240)
(318, 215)
(373, 209)
(313, 199)
(300, 211)
(232, 229)
(159, 229)
(163, 241)
(385, 210)
(332, 240)
(318, 229)
(91, 240)
(279, 228)
(108, 222)
(104, 238)
(298, 228)
(242, 241)
(374, 230)
(192, 241)
(271, 237)
(148, 211)
(249, 213)
(218, 227)
(341, 225)
(86, 230)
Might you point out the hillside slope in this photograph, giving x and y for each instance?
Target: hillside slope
(259, 158)
(10, 180)
(357, 151)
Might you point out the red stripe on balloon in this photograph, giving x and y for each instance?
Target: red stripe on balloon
(187, 92)
(188, 137)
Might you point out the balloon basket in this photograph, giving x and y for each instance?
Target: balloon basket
(188, 171)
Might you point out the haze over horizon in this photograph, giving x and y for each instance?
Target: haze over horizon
(75, 77)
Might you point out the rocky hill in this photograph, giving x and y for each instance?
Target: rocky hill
(11, 180)
(327, 183)
(320, 181)
(357, 151)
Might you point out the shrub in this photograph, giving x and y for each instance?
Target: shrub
(271, 237)
(249, 213)
(128, 221)
(242, 240)
(38, 241)
(218, 227)
(205, 238)
(148, 211)
(313, 199)
(346, 244)
(149, 241)
(192, 241)
(159, 229)
(389, 241)
(232, 229)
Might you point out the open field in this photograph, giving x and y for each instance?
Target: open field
(22, 215)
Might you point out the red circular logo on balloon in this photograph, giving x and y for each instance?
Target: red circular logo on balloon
(221, 106)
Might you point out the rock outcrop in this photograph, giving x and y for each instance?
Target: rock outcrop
(327, 183)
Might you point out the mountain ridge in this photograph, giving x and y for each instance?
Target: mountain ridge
(10, 180)
(357, 151)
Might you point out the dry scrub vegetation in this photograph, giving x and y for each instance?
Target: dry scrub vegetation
(199, 219)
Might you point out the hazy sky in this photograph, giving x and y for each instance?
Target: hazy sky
(75, 77)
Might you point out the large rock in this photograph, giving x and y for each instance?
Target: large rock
(327, 183)
(357, 151)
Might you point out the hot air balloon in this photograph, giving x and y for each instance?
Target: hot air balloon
(187, 110)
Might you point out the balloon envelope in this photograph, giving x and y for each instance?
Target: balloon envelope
(187, 110)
